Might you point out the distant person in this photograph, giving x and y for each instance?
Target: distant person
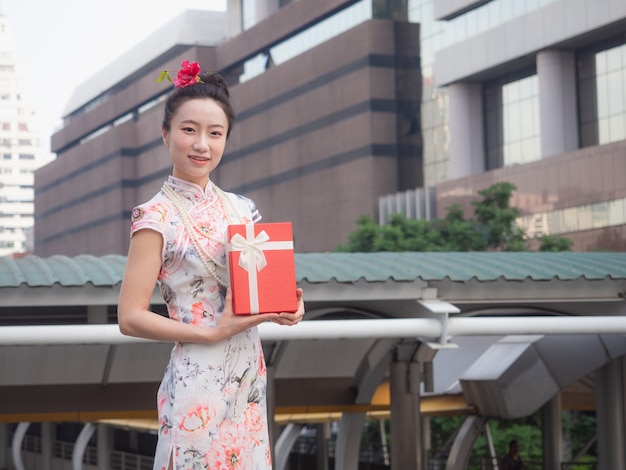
(512, 460)
(212, 400)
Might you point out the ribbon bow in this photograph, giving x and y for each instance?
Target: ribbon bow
(252, 255)
(252, 258)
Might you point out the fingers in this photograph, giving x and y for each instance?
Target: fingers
(238, 323)
(228, 300)
(288, 318)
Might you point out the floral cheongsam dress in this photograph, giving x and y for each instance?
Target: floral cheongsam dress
(212, 400)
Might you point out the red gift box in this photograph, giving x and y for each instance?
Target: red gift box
(262, 268)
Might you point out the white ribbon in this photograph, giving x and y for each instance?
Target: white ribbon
(252, 257)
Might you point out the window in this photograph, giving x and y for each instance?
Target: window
(303, 41)
(27, 156)
(6, 156)
(6, 126)
(25, 142)
(22, 126)
(512, 121)
(602, 94)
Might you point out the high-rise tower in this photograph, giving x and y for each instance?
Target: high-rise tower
(21, 153)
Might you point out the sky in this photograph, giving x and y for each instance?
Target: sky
(62, 43)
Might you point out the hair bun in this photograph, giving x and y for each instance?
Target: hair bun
(216, 80)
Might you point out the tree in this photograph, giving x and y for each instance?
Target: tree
(555, 243)
(493, 228)
(497, 218)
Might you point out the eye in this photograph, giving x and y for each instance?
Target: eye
(188, 129)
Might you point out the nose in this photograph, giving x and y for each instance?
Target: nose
(201, 144)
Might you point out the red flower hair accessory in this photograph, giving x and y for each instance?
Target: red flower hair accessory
(187, 75)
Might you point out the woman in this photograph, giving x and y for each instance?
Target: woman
(211, 401)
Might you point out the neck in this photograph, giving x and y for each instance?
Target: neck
(202, 182)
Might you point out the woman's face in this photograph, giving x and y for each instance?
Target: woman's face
(196, 139)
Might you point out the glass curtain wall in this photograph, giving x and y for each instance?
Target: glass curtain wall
(602, 94)
(311, 37)
(436, 35)
(512, 121)
(519, 146)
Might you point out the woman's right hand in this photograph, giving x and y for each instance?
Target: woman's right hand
(229, 324)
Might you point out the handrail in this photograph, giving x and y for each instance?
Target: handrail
(422, 328)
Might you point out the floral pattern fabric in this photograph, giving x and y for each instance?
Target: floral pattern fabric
(212, 400)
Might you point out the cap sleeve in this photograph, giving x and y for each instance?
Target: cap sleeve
(249, 203)
(148, 216)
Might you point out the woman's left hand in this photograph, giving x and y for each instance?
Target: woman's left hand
(291, 318)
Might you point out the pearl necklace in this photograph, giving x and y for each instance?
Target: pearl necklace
(210, 262)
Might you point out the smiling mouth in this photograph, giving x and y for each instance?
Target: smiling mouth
(199, 159)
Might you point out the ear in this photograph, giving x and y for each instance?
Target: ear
(165, 135)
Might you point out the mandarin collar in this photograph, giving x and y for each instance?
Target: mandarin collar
(190, 190)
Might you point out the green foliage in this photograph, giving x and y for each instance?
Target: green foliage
(402, 234)
(579, 427)
(493, 228)
(442, 431)
(555, 243)
(527, 431)
(498, 219)
(365, 238)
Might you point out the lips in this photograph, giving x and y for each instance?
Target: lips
(198, 158)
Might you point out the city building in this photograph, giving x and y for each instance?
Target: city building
(22, 152)
(342, 103)
(327, 103)
(534, 93)
(339, 117)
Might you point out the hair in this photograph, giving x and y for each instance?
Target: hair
(212, 86)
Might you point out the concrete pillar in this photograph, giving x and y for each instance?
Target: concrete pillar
(551, 433)
(254, 12)
(467, 145)
(558, 113)
(610, 409)
(4, 446)
(322, 436)
(265, 8)
(234, 18)
(47, 438)
(426, 438)
(461, 449)
(16, 445)
(349, 441)
(80, 446)
(105, 445)
(406, 439)
(284, 444)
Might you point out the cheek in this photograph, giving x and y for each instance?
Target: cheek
(218, 146)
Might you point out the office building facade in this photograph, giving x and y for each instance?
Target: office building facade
(321, 132)
(535, 94)
(21, 152)
(343, 102)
